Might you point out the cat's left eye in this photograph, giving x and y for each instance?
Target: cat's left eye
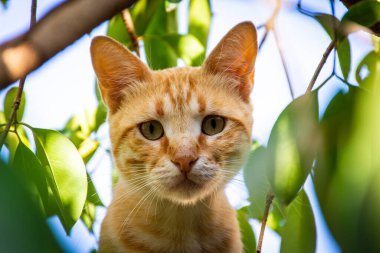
(213, 124)
(152, 130)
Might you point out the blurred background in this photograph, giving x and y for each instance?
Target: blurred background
(64, 86)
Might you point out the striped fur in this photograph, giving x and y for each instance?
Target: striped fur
(154, 207)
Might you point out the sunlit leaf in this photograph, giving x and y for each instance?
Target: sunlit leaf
(87, 149)
(23, 228)
(336, 127)
(162, 22)
(8, 104)
(159, 53)
(200, 19)
(65, 172)
(92, 194)
(30, 169)
(331, 24)
(368, 71)
(247, 235)
(187, 47)
(142, 13)
(356, 171)
(116, 29)
(292, 146)
(299, 234)
(255, 177)
(89, 215)
(277, 217)
(80, 126)
(364, 13)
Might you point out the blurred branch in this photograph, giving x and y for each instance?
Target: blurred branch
(270, 26)
(17, 101)
(268, 203)
(127, 19)
(321, 64)
(59, 28)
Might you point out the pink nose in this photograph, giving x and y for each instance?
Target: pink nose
(185, 163)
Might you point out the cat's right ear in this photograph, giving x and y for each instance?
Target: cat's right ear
(116, 68)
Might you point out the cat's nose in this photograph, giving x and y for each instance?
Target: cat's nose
(185, 163)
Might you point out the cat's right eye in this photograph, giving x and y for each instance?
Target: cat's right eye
(152, 130)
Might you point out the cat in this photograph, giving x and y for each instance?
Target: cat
(178, 136)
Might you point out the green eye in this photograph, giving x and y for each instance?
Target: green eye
(213, 125)
(152, 130)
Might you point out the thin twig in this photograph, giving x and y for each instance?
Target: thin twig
(17, 101)
(263, 39)
(282, 56)
(322, 62)
(268, 203)
(127, 19)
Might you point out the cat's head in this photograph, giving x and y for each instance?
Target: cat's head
(179, 133)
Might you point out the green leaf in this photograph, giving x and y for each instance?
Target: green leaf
(116, 30)
(160, 54)
(299, 234)
(30, 169)
(142, 13)
(162, 22)
(23, 228)
(292, 146)
(92, 194)
(200, 20)
(187, 47)
(80, 126)
(344, 55)
(364, 13)
(87, 149)
(255, 177)
(89, 215)
(8, 104)
(331, 24)
(336, 127)
(368, 71)
(65, 173)
(247, 235)
(174, 1)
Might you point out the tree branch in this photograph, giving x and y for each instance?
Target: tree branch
(17, 101)
(58, 29)
(268, 203)
(320, 65)
(128, 23)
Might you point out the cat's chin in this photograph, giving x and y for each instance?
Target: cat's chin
(187, 192)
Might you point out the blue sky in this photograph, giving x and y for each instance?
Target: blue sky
(65, 85)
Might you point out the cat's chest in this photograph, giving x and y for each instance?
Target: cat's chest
(178, 232)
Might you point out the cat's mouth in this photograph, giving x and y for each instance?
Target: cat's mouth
(187, 185)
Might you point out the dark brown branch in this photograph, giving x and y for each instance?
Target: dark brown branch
(268, 203)
(58, 29)
(320, 65)
(128, 23)
(17, 101)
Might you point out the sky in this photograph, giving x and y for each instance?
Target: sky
(65, 86)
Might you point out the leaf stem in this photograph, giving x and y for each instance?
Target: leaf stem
(128, 23)
(17, 101)
(322, 62)
(268, 203)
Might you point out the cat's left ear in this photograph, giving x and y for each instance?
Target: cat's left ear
(235, 56)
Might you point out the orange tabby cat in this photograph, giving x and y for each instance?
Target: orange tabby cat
(178, 136)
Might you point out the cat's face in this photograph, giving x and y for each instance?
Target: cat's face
(182, 133)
